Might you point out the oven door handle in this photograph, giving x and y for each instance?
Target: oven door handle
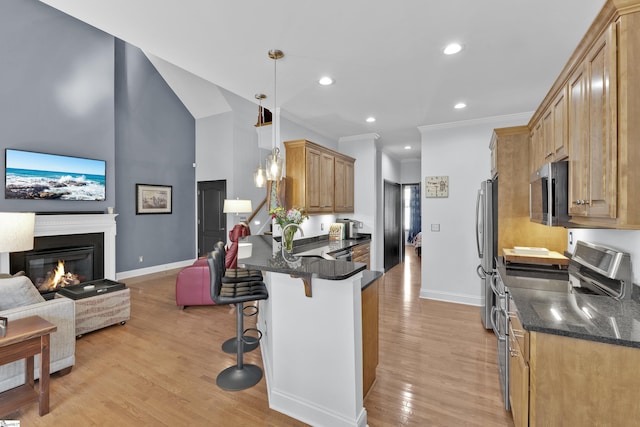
(492, 282)
(494, 322)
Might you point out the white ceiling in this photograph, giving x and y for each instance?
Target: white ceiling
(385, 56)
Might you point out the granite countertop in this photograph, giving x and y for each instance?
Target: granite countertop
(267, 256)
(324, 247)
(560, 310)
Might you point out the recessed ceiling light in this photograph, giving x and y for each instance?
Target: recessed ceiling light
(326, 81)
(407, 147)
(371, 119)
(452, 49)
(460, 106)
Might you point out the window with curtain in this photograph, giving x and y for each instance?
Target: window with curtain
(413, 221)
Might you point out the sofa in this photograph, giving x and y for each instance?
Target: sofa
(193, 286)
(19, 298)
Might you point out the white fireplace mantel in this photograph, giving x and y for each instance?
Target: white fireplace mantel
(57, 225)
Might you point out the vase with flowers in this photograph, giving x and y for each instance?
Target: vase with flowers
(289, 222)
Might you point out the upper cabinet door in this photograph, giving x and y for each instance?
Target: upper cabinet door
(560, 130)
(592, 132)
(578, 142)
(602, 105)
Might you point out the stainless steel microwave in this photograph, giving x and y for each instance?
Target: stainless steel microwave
(548, 194)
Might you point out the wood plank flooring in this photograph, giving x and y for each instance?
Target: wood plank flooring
(437, 366)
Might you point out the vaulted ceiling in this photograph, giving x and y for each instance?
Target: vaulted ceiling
(385, 56)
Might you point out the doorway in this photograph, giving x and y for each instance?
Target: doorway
(392, 225)
(412, 217)
(212, 222)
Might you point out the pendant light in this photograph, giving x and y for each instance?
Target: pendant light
(260, 176)
(274, 161)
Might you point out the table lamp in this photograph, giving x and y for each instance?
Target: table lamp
(16, 231)
(237, 206)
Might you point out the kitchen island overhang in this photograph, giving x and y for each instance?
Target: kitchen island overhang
(311, 346)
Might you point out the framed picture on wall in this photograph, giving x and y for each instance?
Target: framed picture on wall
(153, 199)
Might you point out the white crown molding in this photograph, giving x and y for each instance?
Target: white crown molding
(525, 117)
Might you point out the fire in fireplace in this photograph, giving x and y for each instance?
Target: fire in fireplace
(56, 278)
(60, 261)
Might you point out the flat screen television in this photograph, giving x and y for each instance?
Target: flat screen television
(42, 176)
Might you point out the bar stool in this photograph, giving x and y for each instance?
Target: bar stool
(240, 376)
(237, 275)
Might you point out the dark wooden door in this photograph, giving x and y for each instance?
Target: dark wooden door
(212, 222)
(392, 224)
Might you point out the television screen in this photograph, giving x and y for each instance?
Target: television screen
(40, 176)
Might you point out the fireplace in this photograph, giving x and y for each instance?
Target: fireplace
(73, 230)
(64, 260)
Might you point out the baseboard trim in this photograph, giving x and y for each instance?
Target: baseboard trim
(451, 297)
(153, 269)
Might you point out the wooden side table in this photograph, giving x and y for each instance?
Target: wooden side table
(24, 339)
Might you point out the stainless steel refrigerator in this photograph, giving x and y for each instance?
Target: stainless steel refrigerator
(487, 242)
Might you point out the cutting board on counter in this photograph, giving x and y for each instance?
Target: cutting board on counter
(548, 258)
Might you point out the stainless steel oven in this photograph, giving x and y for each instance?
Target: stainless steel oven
(500, 325)
(343, 255)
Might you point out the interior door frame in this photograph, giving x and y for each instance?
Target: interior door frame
(396, 232)
(219, 217)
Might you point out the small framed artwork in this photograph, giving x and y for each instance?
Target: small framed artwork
(153, 199)
(436, 186)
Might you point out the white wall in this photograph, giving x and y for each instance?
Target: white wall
(365, 171)
(410, 171)
(449, 257)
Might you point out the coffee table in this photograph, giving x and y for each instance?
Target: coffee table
(99, 304)
(25, 338)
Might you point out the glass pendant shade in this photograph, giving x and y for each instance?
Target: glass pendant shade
(260, 177)
(274, 165)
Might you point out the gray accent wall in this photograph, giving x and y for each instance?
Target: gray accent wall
(69, 88)
(56, 94)
(155, 144)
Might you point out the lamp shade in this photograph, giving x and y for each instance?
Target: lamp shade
(237, 206)
(16, 231)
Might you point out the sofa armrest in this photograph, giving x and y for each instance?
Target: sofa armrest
(59, 311)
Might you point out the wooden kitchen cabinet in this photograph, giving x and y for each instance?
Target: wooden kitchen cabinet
(314, 178)
(536, 147)
(343, 188)
(593, 130)
(576, 382)
(549, 135)
(600, 85)
(560, 126)
(361, 253)
(559, 380)
(510, 147)
(370, 331)
(518, 371)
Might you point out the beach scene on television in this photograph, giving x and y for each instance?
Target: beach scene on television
(40, 176)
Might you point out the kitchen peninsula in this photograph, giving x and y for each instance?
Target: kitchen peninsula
(312, 343)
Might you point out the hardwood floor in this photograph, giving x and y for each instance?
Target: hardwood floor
(437, 366)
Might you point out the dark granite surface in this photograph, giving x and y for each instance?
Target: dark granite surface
(368, 277)
(267, 256)
(560, 310)
(321, 245)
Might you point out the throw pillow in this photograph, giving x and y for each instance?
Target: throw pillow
(17, 292)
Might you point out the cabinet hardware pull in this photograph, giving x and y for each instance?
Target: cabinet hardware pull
(548, 154)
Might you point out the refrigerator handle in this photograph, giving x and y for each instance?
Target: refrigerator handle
(478, 213)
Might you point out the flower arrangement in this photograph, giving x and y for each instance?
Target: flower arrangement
(285, 217)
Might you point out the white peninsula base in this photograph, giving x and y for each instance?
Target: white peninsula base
(312, 349)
